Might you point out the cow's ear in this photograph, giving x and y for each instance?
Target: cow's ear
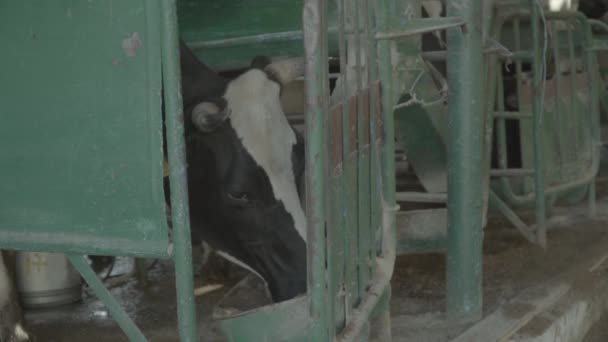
(209, 115)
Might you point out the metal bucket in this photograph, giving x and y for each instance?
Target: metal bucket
(46, 279)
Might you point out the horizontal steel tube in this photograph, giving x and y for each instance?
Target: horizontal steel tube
(512, 115)
(511, 172)
(419, 26)
(421, 197)
(274, 37)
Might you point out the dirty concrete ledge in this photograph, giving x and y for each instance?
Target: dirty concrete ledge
(561, 310)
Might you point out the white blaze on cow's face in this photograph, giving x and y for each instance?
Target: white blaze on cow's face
(257, 117)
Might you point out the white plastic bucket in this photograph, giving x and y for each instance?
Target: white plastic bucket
(46, 279)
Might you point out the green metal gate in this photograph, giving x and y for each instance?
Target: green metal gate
(84, 176)
(461, 145)
(558, 112)
(350, 187)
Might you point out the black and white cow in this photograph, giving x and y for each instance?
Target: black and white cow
(244, 164)
(12, 328)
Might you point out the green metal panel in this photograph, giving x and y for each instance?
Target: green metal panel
(417, 135)
(80, 141)
(228, 34)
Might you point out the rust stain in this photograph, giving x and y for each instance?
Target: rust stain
(352, 124)
(335, 129)
(131, 44)
(366, 118)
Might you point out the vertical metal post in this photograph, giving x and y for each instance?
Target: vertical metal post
(177, 160)
(557, 100)
(537, 128)
(464, 66)
(374, 102)
(315, 48)
(594, 112)
(385, 71)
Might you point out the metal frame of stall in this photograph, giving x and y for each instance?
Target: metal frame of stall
(574, 159)
(464, 235)
(336, 307)
(465, 172)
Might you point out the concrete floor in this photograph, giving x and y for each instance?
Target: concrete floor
(511, 266)
(598, 332)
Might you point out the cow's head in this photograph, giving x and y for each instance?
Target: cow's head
(244, 164)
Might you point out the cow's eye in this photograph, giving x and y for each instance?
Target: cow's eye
(239, 197)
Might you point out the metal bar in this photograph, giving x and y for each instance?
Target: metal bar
(361, 160)
(557, 98)
(315, 49)
(491, 66)
(512, 115)
(335, 222)
(361, 314)
(339, 303)
(364, 116)
(571, 54)
(501, 133)
(511, 172)
(180, 215)
(441, 55)
(421, 197)
(537, 128)
(388, 128)
(464, 163)
(420, 26)
(116, 311)
(598, 45)
(371, 105)
(596, 143)
(374, 101)
(350, 167)
(521, 56)
(518, 67)
(598, 24)
(274, 37)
